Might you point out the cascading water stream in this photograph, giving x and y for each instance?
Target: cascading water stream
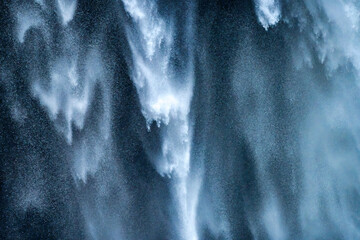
(165, 97)
(181, 120)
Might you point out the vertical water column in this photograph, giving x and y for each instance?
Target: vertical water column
(165, 94)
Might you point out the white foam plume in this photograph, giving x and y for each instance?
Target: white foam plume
(67, 10)
(268, 12)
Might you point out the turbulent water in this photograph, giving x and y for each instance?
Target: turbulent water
(180, 120)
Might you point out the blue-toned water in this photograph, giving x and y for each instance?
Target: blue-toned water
(179, 120)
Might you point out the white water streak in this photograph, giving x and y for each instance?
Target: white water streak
(162, 99)
(26, 19)
(64, 95)
(165, 101)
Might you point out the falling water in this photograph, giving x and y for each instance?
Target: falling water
(188, 120)
(165, 95)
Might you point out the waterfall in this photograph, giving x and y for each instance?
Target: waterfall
(181, 120)
(165, 97)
